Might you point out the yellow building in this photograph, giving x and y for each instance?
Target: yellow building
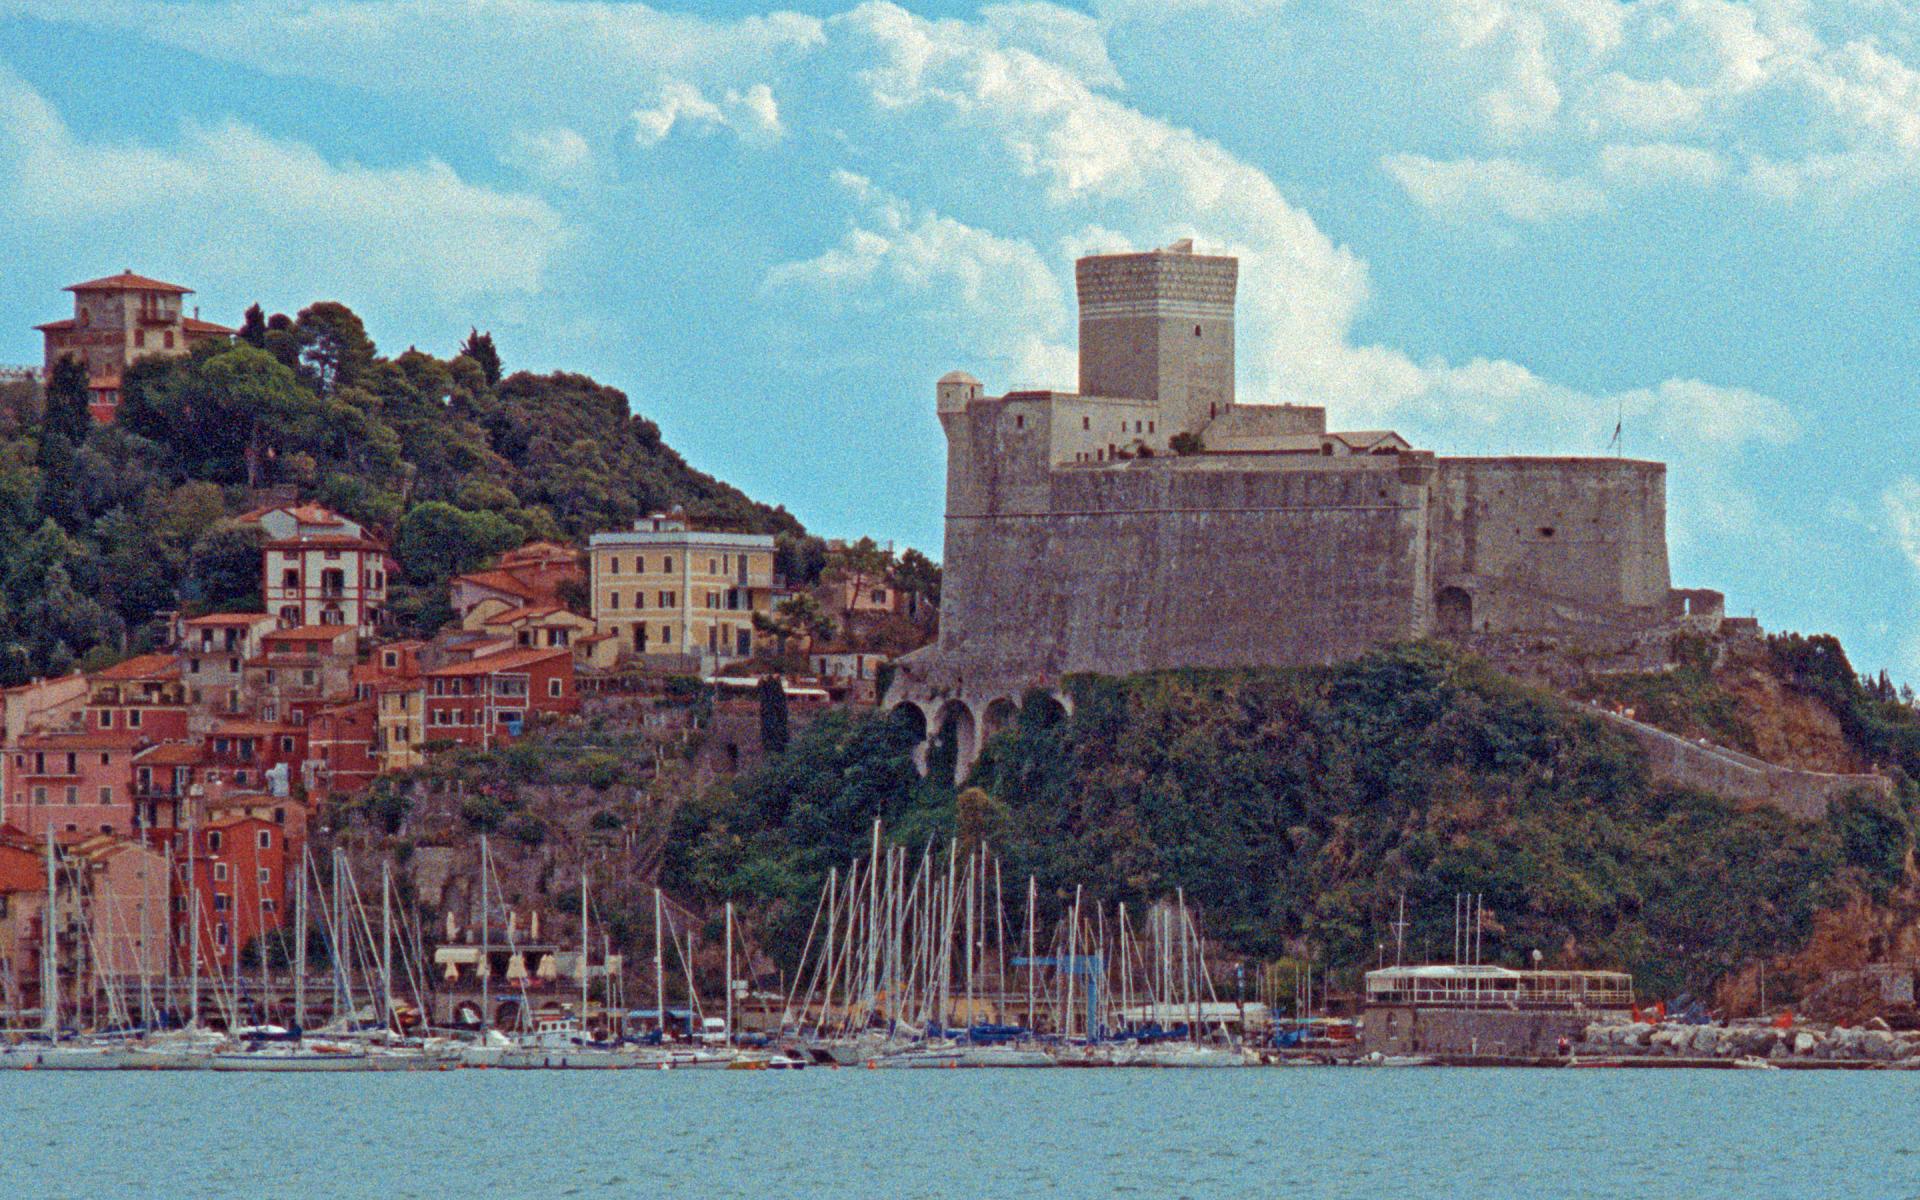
(662, 589)
(403, 725)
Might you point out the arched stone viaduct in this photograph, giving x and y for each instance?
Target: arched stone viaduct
(973, 721)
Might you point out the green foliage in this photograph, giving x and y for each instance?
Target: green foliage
(1186, 443)
(479, 347)
(437, 541)
(66, 401)
(1294, 807)
(774, 729)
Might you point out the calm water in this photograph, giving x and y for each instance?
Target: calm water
(1384, 1135)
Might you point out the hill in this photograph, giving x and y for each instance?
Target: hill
(103, 526)
(1295, 807)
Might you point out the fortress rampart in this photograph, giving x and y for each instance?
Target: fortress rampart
(1078, 539)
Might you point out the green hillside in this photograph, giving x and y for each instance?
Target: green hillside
(101, 527)
(1295, 807)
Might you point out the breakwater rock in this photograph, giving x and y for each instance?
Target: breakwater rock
(1872, 1042)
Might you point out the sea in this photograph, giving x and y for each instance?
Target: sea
(1382, 1134)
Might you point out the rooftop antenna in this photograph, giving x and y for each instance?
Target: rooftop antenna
(1616, 443)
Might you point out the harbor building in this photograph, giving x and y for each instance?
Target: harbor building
(117, 321)
(665, 590)
(1475, 1010)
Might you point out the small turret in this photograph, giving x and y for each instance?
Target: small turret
(956, 390)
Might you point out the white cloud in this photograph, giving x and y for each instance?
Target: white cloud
(555, 155)
(752, 114)
(236, 201)
(1660, 164)
(995, 291)
(1901, 505)
(1616, 102)
(1475, 188)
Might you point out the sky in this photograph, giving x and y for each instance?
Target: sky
(1497, 226)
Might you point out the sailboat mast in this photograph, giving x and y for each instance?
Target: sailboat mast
(49, 951)
(386, 944)
(585, 944)
(486, 943)
(300, 944)
(659, 971)
(1033, 895)
(193, 923)
(729, 975)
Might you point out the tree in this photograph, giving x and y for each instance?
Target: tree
(854, 568)
(797, 616)
(253, 327)
(479, 347)
(334, 346)
(437, 541)
(223, 569)
(1186, 443)
(774, 728)
(67, 397)
(917, 576)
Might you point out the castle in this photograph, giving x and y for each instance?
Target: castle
(1153, 521)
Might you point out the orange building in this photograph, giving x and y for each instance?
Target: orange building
(117, 321)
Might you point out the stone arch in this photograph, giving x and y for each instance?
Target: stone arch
(912, 718)
(956, 731)
(997, 718)
(1042, 709)
(1453, 610)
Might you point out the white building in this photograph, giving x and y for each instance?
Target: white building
(322, 569)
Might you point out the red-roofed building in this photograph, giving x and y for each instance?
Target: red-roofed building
(243, 756)
(214, 651)
(319, 568)
(77, 783)
(142, 695)
(531, 576)
(240, 873)
(340, 749)
(488, 700)
(117, 321)
(300, 671)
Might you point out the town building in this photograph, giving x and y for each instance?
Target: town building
(319, 568)
(665, 591)
(485, 701)
(402, 727)
(535, 575)
(1152, 520)
(548, 626)
(78, 782)
(213, 653)
(142, 695)
(23, 903)
(299, 671)
(117, 321)
(240, 877)
(341, 759)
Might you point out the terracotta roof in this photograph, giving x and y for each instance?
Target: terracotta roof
(524, 613)
(172, 754)
(501, 581)
(103, 739)
(308, 633)
(196, 325)
(504, 660)
(305, 512)
(252, 729)
(21, 871)
(60, 326)
(142, 666)
(216, 619)
(126, 281)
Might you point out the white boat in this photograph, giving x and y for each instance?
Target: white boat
(1185, 1055)
(292, 1057)
(1013, 1055)
(61, 1056)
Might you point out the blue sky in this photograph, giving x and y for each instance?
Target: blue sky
(1494, 225)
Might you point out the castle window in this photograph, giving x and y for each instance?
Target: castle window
(1546, 531)
(1196, 331)
(1019, 422)
(1149, 426)
(1086, 422)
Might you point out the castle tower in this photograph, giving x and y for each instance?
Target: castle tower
(1159, 326)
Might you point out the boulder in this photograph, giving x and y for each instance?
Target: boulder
(1804, 1043)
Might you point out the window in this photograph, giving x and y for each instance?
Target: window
(139, 337)
(213, 844)
(640, 565)
(667, 599)
(106, 760)
(615, 568)
(233, 666)
(307, 678)
(266, 839)
(220, 934)
(879, 595)
(613, 600)
(666, 564)
(73, 795)
(290, 578)
(133, 718)
(286, 745)
(219, 868)
(713, 566)
(167, 339)
(554, 688)
(40, 795)
(666, 635)
(221, 901)
(1019, 422)
(106, 795)
(1196, 331)
(106, 718)
(1149, 426)
(265, 876)
(1086, 422)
